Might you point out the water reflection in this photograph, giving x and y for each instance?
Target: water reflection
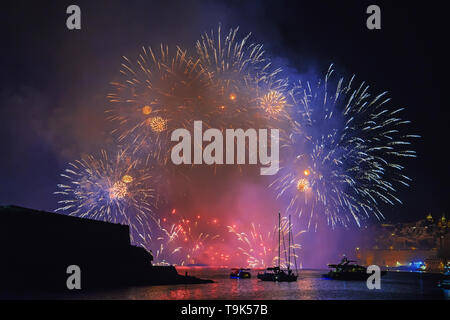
(310, 285)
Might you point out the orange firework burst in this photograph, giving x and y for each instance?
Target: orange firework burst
(273, 102)
(302, 185)
(157, 124)
(118, 190)
(127, 178)
(146, 110)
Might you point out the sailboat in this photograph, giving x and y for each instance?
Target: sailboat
(276, 273)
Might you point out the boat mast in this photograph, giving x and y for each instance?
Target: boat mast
(289, 244)
(279, 239)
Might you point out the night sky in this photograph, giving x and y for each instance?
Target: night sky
(54, 81)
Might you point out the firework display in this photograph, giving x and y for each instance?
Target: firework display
(183, 240)
(161, 92)
(341, 148)
(110, 188)
(248, 90)
(345, 150)
(259, 247)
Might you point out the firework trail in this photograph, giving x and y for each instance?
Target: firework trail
(183, 241)
(345, 149)
(261, 248)
(195, 241)
(113, 189)
(248, 90)
(165, 249)
(159, 93)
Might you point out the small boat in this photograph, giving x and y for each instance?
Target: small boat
(276, 273)
(240, 273)
(346, 270)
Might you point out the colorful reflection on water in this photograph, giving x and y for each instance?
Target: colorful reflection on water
(310, 286)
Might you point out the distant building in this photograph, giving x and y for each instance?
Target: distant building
(403, 243)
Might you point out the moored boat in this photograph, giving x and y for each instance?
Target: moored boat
(240, 273)
(346, 270)
(276, 273)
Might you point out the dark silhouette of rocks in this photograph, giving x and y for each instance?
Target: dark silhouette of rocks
(36, 247)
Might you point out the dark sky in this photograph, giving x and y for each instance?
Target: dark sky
(54, 81)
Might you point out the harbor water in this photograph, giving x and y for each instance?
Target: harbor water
(310, 286)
